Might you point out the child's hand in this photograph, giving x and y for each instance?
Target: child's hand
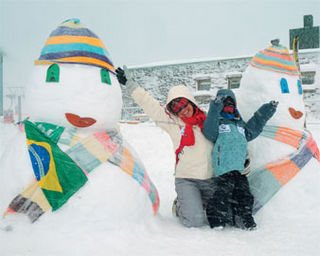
(219, 99)
(268, 109)
(274, 103)
(217, 104)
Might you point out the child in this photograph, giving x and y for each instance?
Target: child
(230, 134)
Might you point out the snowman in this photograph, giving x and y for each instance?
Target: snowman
(284, 147)
(272, 75)
(74, 102)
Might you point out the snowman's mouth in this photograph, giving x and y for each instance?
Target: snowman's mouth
(78, 121)
(296, 114)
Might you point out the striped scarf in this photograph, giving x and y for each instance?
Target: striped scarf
(88, 153)
(266, 181)
(100, 147)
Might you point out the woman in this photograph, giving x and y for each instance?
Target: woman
(183, 120)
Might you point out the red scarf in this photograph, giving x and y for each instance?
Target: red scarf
(187, 138)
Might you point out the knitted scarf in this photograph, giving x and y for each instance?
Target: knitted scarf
(187, 136)
(266, 181)
(59, 174)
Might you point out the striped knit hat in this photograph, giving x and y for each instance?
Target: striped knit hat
(275, 58)
(71, 42)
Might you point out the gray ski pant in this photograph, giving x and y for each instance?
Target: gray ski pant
(193, 196)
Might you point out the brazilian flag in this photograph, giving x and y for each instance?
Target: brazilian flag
(57, 174)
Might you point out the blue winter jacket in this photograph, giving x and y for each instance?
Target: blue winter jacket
(231, 136)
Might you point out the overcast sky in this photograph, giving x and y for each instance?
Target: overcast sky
(138, 32)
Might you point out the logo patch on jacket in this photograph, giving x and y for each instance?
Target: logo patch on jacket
(224, 128)
(241, 130)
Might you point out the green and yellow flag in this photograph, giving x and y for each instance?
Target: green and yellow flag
(57, 174)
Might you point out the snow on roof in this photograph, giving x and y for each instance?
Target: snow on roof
(187, 61)
(309, 67)
(199, 60)
(233, 74)
(204, 93)
(201, 76)
(307, 50)
(309, 87)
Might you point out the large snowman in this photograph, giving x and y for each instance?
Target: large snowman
(75, 99)
(285, 147)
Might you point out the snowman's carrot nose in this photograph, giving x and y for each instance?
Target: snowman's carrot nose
(78, 121)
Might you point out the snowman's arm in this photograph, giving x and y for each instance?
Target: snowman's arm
(211, 125)
(256, 123)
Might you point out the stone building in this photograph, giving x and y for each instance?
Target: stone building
(206, 76)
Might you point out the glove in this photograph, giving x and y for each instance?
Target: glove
(124, 78)
(274, 103)
(268, 109)
(219, 99)
(217, 104)
(121, 76)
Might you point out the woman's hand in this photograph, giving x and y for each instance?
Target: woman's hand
(121, 76)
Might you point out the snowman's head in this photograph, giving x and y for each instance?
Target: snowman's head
(73, 83)
(273, 75)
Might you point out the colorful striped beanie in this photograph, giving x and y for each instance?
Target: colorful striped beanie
(71, 42)
(275, 58)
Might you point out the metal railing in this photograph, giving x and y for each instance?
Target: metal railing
(128, 113)
(12, 103)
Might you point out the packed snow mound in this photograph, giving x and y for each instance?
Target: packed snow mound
(290, 221)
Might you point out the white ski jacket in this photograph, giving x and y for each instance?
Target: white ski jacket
(194, 161)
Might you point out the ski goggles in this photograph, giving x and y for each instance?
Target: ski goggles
(229, 102)
(178, 104)
(229, 105)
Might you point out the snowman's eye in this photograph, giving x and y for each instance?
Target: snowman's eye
(105, 76)
(299, 87)
(53, 74)
(284, 85)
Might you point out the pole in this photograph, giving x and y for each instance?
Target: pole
(1, 85)
(19, 108)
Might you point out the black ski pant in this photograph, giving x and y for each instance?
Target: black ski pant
(232, 197)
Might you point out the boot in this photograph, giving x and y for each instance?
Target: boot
(216, 223)
(175, 207)
(248, 222)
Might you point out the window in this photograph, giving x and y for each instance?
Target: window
(204, 85)
(234, 79)
(203, 100)
(203, 82)
(234, 83)
(308, 77)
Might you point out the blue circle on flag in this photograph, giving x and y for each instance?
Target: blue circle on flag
(40, 159)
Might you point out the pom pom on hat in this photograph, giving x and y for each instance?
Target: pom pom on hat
(275, 58)
(71, 42)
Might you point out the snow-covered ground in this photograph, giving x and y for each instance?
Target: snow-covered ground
(288, 225)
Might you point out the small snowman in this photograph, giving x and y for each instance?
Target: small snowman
(272, 75)
(74, 101)
(285, 147)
